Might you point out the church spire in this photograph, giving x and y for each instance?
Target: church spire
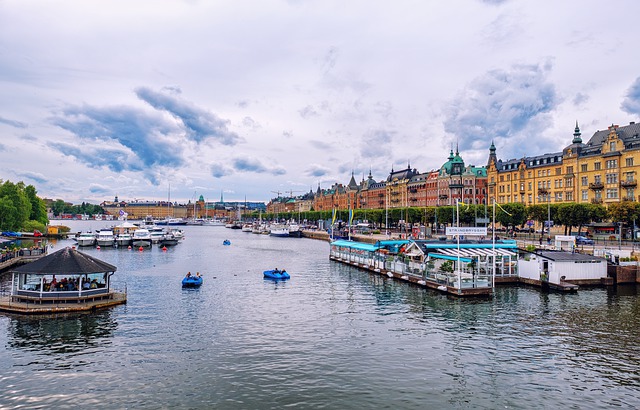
(576, 135)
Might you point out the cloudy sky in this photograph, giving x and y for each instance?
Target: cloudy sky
(148, 98)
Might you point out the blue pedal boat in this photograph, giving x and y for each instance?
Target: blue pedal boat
(192, 282)
(276, 274)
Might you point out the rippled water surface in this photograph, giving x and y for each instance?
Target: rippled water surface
(331, 337)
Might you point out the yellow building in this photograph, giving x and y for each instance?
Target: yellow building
(604, 170)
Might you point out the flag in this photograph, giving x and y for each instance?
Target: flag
(503, 210)
(333, 218)
(350, 216)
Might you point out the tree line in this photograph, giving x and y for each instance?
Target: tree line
(60, 207)
(20, 208)
(512, 215)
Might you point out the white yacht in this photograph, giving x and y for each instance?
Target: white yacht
(280, 230)
(156, 233)
(124, 239)
(141, 237)
(105, 238)
(86, 239)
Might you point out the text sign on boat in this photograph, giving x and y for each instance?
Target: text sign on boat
(466, 230)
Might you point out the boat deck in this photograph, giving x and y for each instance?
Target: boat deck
(34, 305)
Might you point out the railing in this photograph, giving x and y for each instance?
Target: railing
(629, 183)
(596, 185)
(596, 201)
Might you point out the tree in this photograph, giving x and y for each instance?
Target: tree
(511, 215)
(20, 208)
(38, 207)
(625, 212)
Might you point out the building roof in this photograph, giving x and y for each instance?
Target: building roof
(66, 261)
(560, 256)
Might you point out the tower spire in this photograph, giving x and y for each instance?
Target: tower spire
(576, 135)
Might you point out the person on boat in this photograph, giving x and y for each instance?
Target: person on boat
(276, 270)
(188, 274)
(197, 274)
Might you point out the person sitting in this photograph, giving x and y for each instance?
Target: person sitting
(188, 274)
(86, 285)
(276, 270)
(197, 274)
(94, 284)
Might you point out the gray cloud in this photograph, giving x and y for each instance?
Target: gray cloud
(504, 104)
(580, 99)
(321, 145)
(219, 170)
(100, 189)
(308, 112)
(248, 164)
(631, 102)
(315, 170)
(143, 133)
(199, 124)
(13, 123)
(33, 176)
(376, 143)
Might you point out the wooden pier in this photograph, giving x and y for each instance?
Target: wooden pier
(31, 306)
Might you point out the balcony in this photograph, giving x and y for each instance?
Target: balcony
(627, 199)
(630, 183)
(596, 201)
(543, 191)
(596, 185)
(443, 196)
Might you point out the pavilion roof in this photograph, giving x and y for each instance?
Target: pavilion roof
(66, 261)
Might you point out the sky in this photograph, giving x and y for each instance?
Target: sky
(163, 99)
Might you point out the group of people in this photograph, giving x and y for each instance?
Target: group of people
(196, 276)
(68, 284)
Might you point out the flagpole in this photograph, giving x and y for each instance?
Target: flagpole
(493, 231)
(458, 237)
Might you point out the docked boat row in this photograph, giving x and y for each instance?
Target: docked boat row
(129, 234)
(290, 229)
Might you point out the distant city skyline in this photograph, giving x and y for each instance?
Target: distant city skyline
(129, 99)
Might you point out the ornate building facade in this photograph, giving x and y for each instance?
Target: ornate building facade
(602, 171)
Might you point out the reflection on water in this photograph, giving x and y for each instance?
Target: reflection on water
(333, 336)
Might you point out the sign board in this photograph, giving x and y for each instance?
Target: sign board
(530, 223)
(466, 230)
(548, 223)
(483, 220)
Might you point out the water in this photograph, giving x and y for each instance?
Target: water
(331, 337)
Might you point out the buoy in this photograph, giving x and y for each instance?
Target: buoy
(141, 249)
(129, 247)
(98, 247)
(164, 249)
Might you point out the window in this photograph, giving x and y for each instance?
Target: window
(629, 177)
(629, 162)
(597, 179)
(529, 174)
(569, 170)
(501, 178)
(611, 163)
(569, 182)
(612, 193)
(529, 185)
(596, 166)
(558, 171)
(558, 196)
(585, 195)
(583, 167)
(612, 178)
(530, 198)
(584, 181)
(612, 146)
(569, 196)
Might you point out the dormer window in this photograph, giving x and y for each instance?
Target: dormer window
(612, 146)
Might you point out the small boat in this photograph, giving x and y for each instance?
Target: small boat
(105, 237)
(124, 239)
(141, 237)
(276, 274)
(192, 281)
(226, 242)
(86, 239)
(169, 239)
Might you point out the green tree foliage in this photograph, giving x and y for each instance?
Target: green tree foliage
(625, 212)
(511, 215)
(38, 207)
(16, 209)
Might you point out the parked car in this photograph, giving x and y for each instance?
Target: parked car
(583, 240)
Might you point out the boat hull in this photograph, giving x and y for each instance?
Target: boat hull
(276, 275)
(192, 282)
